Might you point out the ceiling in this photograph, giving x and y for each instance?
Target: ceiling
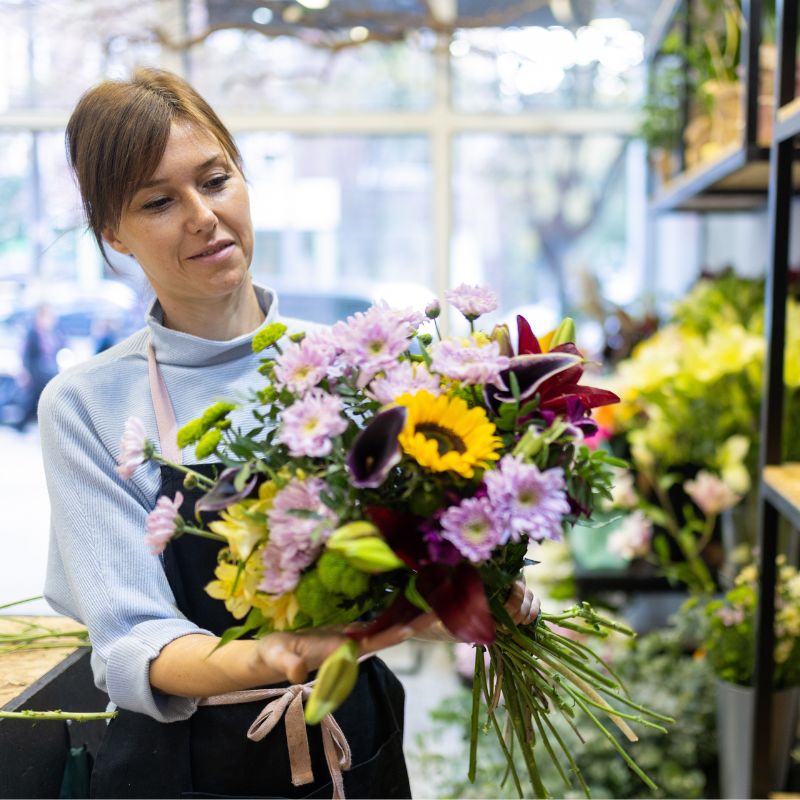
(390, 20)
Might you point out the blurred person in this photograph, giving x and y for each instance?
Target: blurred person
(39, 360)
(105, 335)
(162, 182)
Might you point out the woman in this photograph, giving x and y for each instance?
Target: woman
(161, 181)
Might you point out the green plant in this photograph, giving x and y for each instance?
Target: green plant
(730, 628)
(656, 666)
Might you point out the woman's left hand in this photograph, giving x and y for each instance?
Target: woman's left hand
(521, 604)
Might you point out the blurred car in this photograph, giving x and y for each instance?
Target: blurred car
(82, 315)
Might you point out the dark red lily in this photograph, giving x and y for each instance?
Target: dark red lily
(455, 593)
(552, 376)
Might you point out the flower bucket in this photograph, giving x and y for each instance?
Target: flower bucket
(735, 710)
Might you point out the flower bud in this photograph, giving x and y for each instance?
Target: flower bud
(335, 680)
(433, 309)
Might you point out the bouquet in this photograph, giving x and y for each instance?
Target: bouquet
(391, 472)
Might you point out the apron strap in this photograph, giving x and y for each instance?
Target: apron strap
(287, 703)
(165, 413)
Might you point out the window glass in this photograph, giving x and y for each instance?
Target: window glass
(342, 214)
(246, 71)
(57, 49)
(531, 68)
(542, 219)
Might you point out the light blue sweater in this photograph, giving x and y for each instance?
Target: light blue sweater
(100, 572)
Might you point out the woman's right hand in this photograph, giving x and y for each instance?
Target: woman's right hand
(296, 654)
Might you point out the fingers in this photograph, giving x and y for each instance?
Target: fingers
(386, 638)
(521, 604)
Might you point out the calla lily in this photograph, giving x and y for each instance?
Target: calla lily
(224, 492)
(376, 449)
(457, 596)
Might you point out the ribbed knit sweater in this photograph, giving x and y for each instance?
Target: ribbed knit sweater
(100, 572)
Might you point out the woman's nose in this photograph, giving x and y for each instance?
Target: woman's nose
(200, 216)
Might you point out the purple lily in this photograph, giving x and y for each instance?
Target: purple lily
(224, 493)
(376, 449)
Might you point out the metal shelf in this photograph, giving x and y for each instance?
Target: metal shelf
(736, 180)
(787, 124)
(781, 486)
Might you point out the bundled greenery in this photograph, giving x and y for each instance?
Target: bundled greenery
(655, 666)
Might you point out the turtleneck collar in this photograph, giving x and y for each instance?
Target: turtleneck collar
(182, 349)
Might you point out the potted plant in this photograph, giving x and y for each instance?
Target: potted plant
(729, 648)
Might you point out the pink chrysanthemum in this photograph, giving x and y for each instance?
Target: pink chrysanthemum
(527, 500)
(302, 366)
(404, 378)
(309, 424)
(471, 528)
(162, 523)
(469, 363)
(371, 341)
(134, 450)
(294, 541)
(472, 301)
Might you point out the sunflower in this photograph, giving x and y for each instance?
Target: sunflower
(443, 433)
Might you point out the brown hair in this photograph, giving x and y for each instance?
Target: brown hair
(118, 133)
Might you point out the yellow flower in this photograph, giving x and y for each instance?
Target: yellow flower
(236, 587)
(443, 433)
(281, 609)
(243, 524)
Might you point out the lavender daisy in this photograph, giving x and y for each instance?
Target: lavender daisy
(302, 366)
(163, 522)
(471, 528)
(294, 540)
(527, 500)
(371, 341)
(403, 378)
(470, 363)
(472, 301)
(309, 424)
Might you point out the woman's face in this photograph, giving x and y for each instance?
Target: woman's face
(189, 226)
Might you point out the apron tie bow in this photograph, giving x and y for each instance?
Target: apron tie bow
(287, 703)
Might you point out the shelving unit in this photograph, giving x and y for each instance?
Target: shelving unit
(780, 483)
(738, 178)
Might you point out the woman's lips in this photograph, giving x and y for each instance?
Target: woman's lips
(219, 253)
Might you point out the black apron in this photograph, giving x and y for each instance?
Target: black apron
(209, 754)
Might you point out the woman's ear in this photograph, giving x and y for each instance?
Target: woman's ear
(110, 238)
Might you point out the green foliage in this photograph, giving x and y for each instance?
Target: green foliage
(729, 632)
(320, 604)
(655, 667)
(338, 575)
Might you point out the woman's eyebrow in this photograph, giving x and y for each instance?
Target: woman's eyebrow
(200, 167)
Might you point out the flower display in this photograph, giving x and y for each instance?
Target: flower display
(387, 475)
(730, 635)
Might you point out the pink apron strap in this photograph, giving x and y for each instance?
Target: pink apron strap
(165, 413)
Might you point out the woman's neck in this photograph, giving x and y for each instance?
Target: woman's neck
(219, 320)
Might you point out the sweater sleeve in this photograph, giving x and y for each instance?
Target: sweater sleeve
(100, 571)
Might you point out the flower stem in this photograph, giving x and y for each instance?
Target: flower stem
(77, 716)
(204, 534)
(201, 479)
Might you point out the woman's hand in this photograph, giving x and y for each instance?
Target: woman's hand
(521, 604)
(296, 654)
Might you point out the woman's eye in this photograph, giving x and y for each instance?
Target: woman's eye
(217, 182)
(157, 204)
